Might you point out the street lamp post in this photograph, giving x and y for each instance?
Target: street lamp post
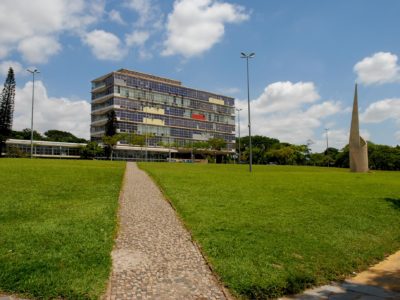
(33, 72)
(238, 110)
(169, 133)
(170, 111)
(327, 139)
(146, 143)
(247, 56)
(327, 144)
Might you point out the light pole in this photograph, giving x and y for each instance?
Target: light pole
(238, 110)
(33, 72)
(247, 56)
(146, 142)
(309, 143)
(170, 111)
(169, 133)
(327, 140)
(327, 143)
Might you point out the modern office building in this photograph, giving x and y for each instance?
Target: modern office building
(171, 117)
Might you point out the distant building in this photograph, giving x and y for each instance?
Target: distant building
(45, 149)
(171, 117)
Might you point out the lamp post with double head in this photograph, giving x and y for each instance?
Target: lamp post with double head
(247, 56)
(33, 72)
(238, 110)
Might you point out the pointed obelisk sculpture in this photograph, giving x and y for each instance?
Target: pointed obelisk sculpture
(357, 145)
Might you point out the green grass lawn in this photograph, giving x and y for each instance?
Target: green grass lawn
(57, 224)
(281, 228)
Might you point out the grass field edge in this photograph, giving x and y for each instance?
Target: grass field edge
(230, 295)
(105, 295)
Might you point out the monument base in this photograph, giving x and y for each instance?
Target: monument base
(359, 157)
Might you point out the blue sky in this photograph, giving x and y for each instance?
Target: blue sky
(309, 53)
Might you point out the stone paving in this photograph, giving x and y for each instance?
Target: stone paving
(10, 297)
(379, 282)
(154, 257)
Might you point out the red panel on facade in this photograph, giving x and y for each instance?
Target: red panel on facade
(198, 117)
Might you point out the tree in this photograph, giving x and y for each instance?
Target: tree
(111, 142)
(383, 157)
(201, 145)
(91, 150)
(380, 157)
(62, 136)
(7, 108)
(342, 158)
(52, 135)
(25, 134)
(14, 151)
(216, 143)
(283, 156)
(111, 125)
(110, 132)
(135, 139)
(260, 146)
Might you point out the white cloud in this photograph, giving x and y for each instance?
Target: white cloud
(293, 127)
(229, 91)
(379, 68)
(382, 110)
(194, 26)
(5, 65)
(282, 96)
(38, 49)
(43, 18)
(291, 112)
(105, 45)
(150, 21)
(144, 54)
(146, 9)
(397, 136)
(3, 51)
(49, 112)
(324, 109)
(115, 16)
(137, 38)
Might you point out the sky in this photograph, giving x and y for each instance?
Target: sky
(308, 56)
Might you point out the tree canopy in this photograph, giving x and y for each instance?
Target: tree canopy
(111, 125)
(52, 135)
(91, 150)
(7, 108)
(110, 142)
(216, 143)
(271, 151)
(62, 136)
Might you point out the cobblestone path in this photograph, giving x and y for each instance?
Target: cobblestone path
(10, 297)
(154, 257)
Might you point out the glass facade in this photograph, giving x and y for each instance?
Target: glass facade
(161, 108)
(45, 149)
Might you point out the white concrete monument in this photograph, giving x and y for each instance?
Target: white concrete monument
(357, 145)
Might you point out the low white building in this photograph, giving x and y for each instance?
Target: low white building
(44, 148)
